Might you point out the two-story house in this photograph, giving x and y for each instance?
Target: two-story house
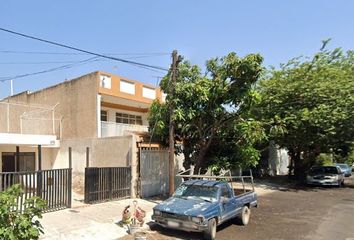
(98, 116)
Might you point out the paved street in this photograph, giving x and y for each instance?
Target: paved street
(303, 213)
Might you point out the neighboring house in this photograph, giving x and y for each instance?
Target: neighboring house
(278, 160)
(100, 116)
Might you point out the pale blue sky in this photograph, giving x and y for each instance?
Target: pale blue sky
(198, 29)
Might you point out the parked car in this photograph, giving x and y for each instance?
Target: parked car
(325, 175)
(345, 168)
(202, 205)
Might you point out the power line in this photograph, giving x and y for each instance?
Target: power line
(55, 62)
(84, 51)
(70, 53)
(92, 59)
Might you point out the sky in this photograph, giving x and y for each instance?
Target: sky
(148, 31)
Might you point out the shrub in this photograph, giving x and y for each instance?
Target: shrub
(17, 225)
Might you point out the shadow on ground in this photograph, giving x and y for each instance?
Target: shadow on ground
(284, 184)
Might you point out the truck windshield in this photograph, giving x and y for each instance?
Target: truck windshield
(205, 193)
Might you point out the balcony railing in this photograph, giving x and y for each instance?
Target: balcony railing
(111, 129)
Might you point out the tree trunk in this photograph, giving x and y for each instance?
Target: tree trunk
(201, 163)
(296, 163)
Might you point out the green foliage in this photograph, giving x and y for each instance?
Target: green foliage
(350, 157)
(15, 225)
(324, 159)
(211, 111)
(308, 105)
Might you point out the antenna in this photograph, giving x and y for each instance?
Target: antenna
(11, 87)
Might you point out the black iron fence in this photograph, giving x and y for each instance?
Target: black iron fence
(108, 183)
(54, 186)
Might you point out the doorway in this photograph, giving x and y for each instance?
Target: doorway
(25, 162)
(8, 162)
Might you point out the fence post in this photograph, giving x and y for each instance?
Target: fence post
(110, 182)
(87, 156)
(69, 179)
(39, 173)
(70, 159)
(17, 158)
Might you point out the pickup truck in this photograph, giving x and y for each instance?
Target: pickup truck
(201, 205)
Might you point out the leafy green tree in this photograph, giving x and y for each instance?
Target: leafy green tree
(307, 106)
(15, 225)
(211, 111)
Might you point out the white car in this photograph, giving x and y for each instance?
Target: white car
(325, 175)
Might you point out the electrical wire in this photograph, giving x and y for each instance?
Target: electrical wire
(89, 60)
(85, 51)
(68, 53)
(55, 62)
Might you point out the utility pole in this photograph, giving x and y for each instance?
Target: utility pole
(171, 149)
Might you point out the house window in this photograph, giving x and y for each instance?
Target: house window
(26, 162)
(127, 87)
(104, 116)
(149, 93)
(128, 119)
(105, 81)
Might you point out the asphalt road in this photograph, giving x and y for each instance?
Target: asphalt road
(295, 213)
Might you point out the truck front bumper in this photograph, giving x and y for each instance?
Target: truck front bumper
(179, 224)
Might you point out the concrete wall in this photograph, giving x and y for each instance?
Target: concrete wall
(77, 101)
(103, 152)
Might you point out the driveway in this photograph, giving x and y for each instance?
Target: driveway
(288, 213)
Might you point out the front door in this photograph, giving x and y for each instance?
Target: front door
(8, 162)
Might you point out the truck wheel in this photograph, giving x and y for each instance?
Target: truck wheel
(244, 216)
(210, 233)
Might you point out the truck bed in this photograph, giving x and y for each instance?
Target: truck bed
(239, 192)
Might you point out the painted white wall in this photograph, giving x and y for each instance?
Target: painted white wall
(278, 160)
(27, 139)
(98, 115)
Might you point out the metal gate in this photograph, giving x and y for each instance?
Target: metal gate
(54, 186)
(153, 172)
(107, 183)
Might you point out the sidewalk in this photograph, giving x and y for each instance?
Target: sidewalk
(97, 221)
(100, 221)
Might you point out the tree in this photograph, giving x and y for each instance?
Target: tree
(15, 225)
(211, 111)
(307, 106)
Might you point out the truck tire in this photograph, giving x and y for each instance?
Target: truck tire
(210, 233)
(244, 216)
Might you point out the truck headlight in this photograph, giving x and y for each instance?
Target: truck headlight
(198, 219)
(157, 213)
